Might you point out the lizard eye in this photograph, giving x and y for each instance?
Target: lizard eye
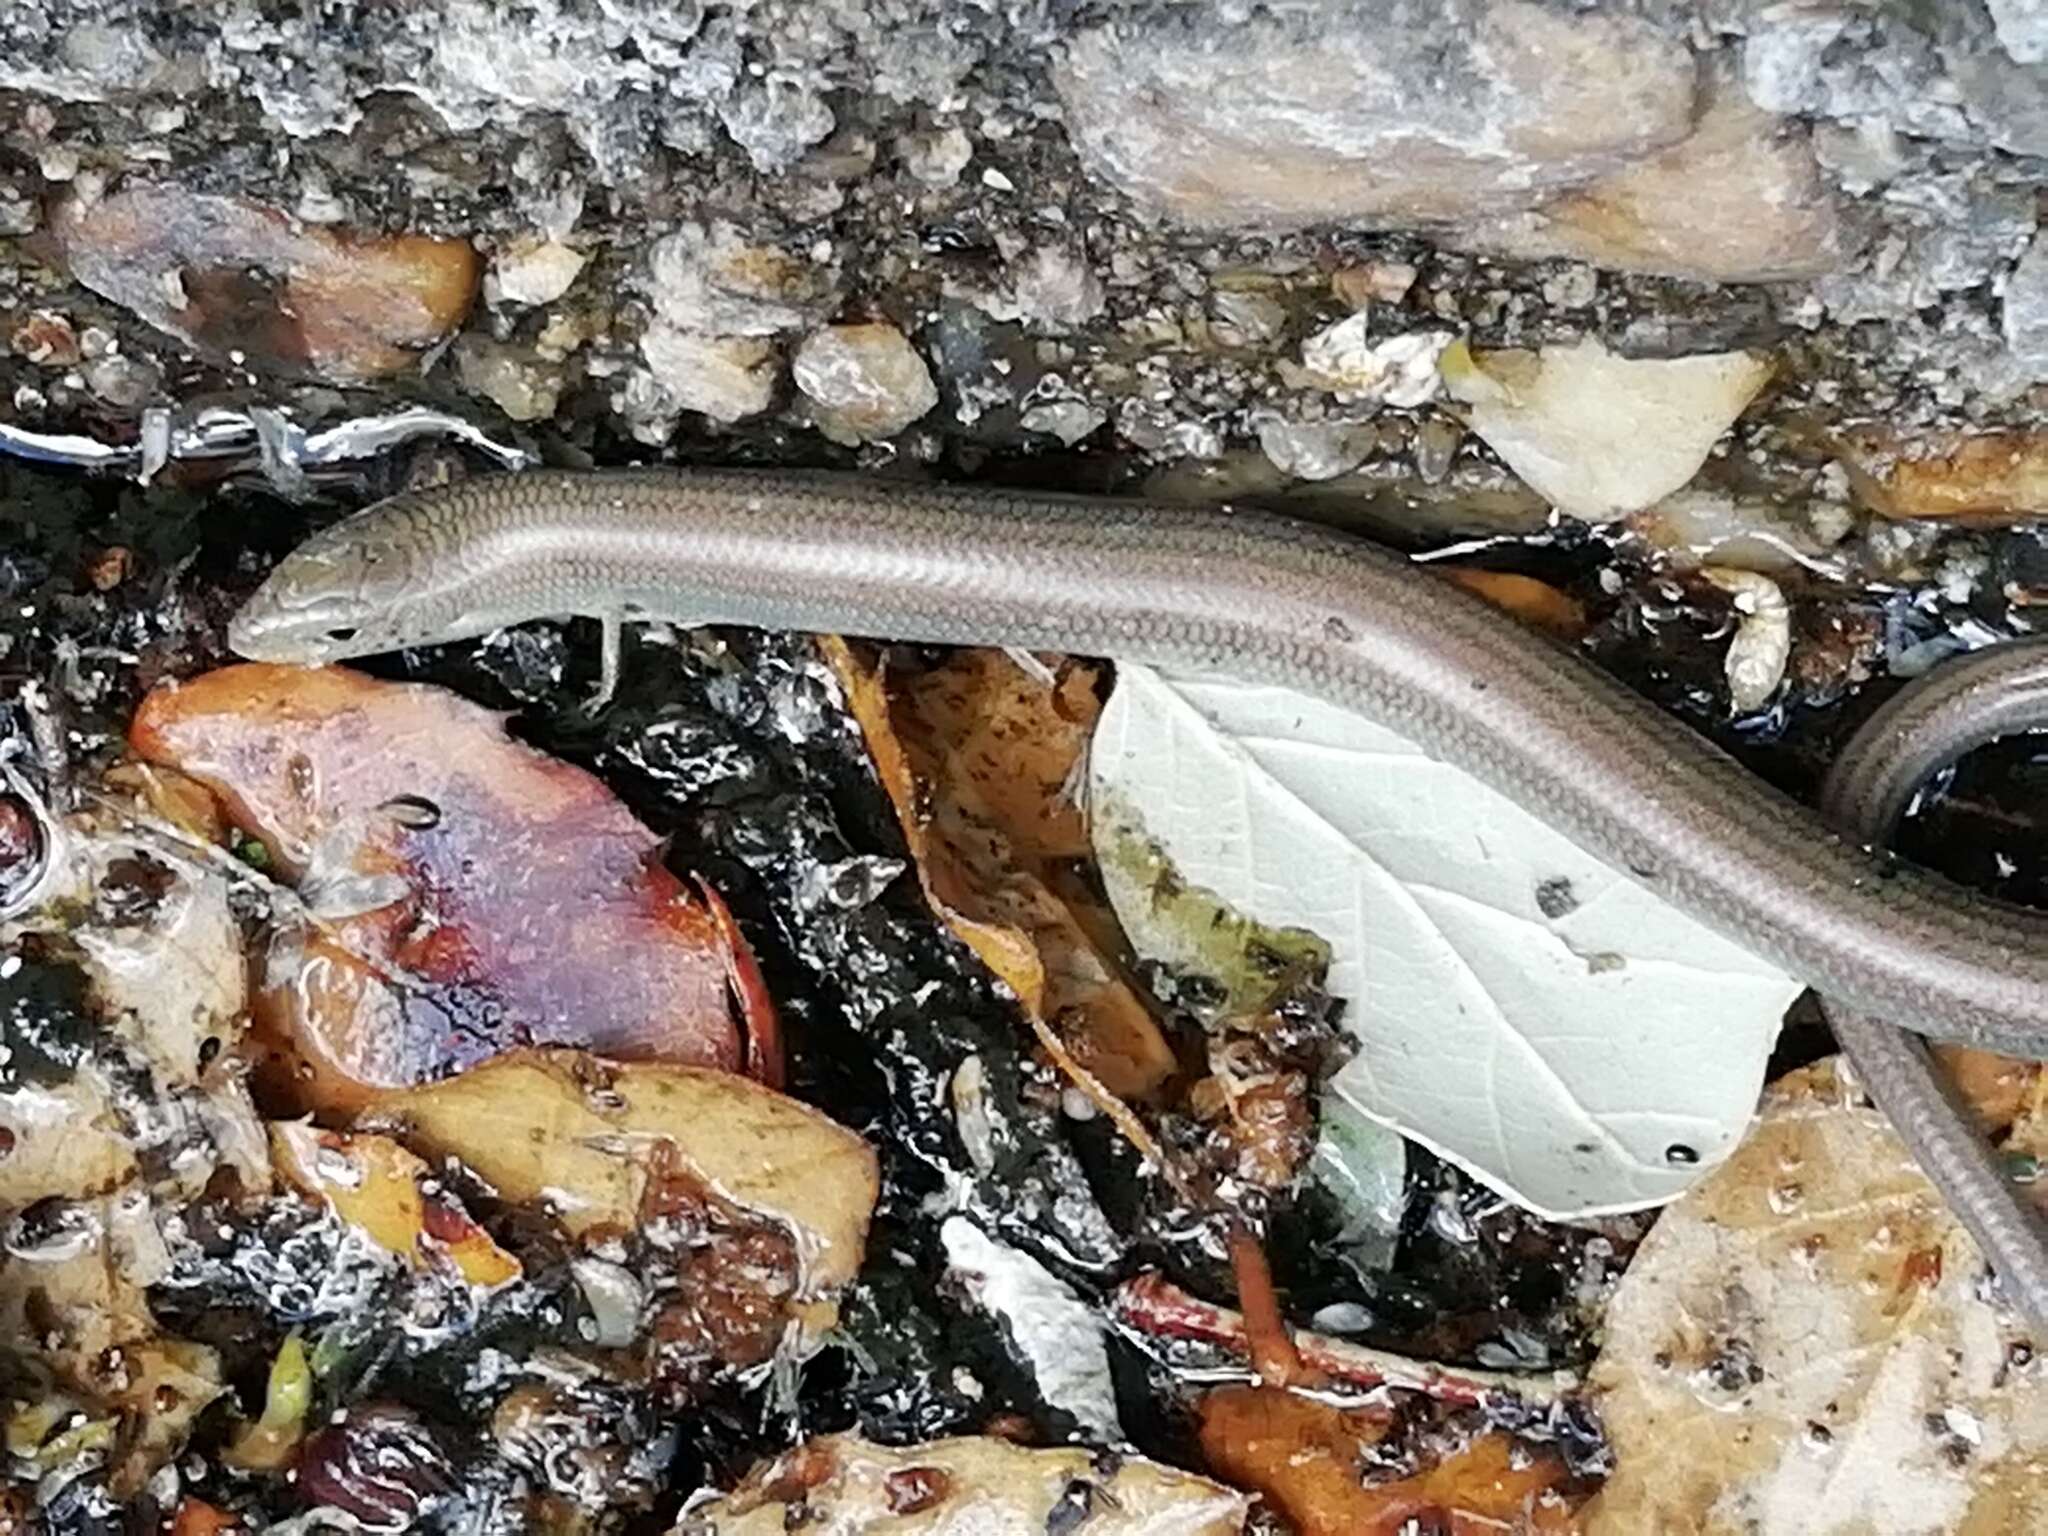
(342, 635)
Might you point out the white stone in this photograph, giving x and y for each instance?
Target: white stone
(1246, 319)
(2022, 27)
(1067, 420)
(865, 382)
(936, 158)
(712, 279)
(1396, 370)
(1314, 450)
(516, 380)
(1601, 436)
(532, 272)
(727, 378)
(1050, 288)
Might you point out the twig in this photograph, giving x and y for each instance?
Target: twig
(1151, 1307)
(1274, 1355)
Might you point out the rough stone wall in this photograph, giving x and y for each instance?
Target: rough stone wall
(955, 227)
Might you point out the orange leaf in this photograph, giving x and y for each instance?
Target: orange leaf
(196, 1517)
(1304, 1456)
(1307, 1458)
(1995, 1087)
(475, 893)
(976, 755)
(1535, 603)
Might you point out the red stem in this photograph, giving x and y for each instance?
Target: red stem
(1153, 1306)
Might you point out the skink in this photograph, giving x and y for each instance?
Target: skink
(1257, 596)
(1928, 724)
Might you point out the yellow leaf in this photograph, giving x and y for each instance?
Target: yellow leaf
(374, 1185)
(581, 1136)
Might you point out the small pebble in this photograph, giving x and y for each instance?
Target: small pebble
(1050, 288)
(513, 378)
(1399, 370)
(712, 279)
(532, 272)
(1246, 319)
(1315, 450)
(1374, 282)
(1341, 1317)
(936, 158)
(1068, 420)
(1436, 445)
(19, 214)
(1573, 288)
(727, 378)
(121, 380)
(864, 382)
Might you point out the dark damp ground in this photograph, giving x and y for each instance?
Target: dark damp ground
(732, 746)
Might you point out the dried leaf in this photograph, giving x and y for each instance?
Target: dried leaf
(196, 1517)
(180, 978)
(1308, 1458)
(470, 892)
(1535, 603)
(845, 1486)
(589, 1138)
(981, 760)
(376, 1185)
(86, 1304)
(1762, 642)
(1303, 1455)
(2026, 1142)
(1995, 1087)
(181, 803)
(1985, 479)
(1802, 1343)
(65, 1141)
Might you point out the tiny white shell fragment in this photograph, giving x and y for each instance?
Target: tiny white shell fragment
(1756, 657)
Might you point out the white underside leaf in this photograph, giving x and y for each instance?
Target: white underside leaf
(1596, 1060)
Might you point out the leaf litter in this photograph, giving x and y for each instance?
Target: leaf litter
(1804, 1342)
(593, 1247)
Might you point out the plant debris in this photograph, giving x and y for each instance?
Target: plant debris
(461, 893)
